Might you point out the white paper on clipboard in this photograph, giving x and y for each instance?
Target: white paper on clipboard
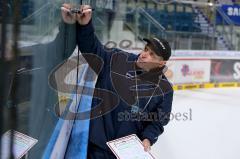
(129, 147)
(21, 144)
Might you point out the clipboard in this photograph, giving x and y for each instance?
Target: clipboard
(21, 144)
(129, 147)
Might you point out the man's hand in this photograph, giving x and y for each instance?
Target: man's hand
(82, 18)
(85, 16)
(67, 16)
(146, 145)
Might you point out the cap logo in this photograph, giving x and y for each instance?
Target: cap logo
(160, 43)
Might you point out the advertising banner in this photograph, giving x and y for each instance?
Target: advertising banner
(225, 70)
(188, 71)
(232, 11)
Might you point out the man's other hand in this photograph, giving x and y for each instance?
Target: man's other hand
(85, 16)
(146, 145)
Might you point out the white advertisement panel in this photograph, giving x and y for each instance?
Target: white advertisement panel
(203, 54)
(188, 71)
(210, 54)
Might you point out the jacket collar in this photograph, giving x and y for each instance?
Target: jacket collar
(152, 76)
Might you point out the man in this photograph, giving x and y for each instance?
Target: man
(138, 81)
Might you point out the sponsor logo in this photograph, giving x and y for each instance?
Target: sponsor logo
(186, 71)
(236, 68)
(233, 11)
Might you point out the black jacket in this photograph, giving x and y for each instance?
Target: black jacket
(115, 93)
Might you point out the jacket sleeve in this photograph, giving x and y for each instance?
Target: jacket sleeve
(155, 128)
(88, 43)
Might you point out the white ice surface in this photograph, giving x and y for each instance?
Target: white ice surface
(213, 132)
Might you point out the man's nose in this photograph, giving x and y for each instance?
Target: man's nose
(144, 54)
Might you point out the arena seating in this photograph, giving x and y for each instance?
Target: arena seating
(178, 21)
(170, 19)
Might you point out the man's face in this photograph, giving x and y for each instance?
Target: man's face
(148, 59)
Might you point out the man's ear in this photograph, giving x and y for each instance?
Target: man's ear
(162, 63)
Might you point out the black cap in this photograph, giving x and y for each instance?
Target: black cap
(160, 46)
